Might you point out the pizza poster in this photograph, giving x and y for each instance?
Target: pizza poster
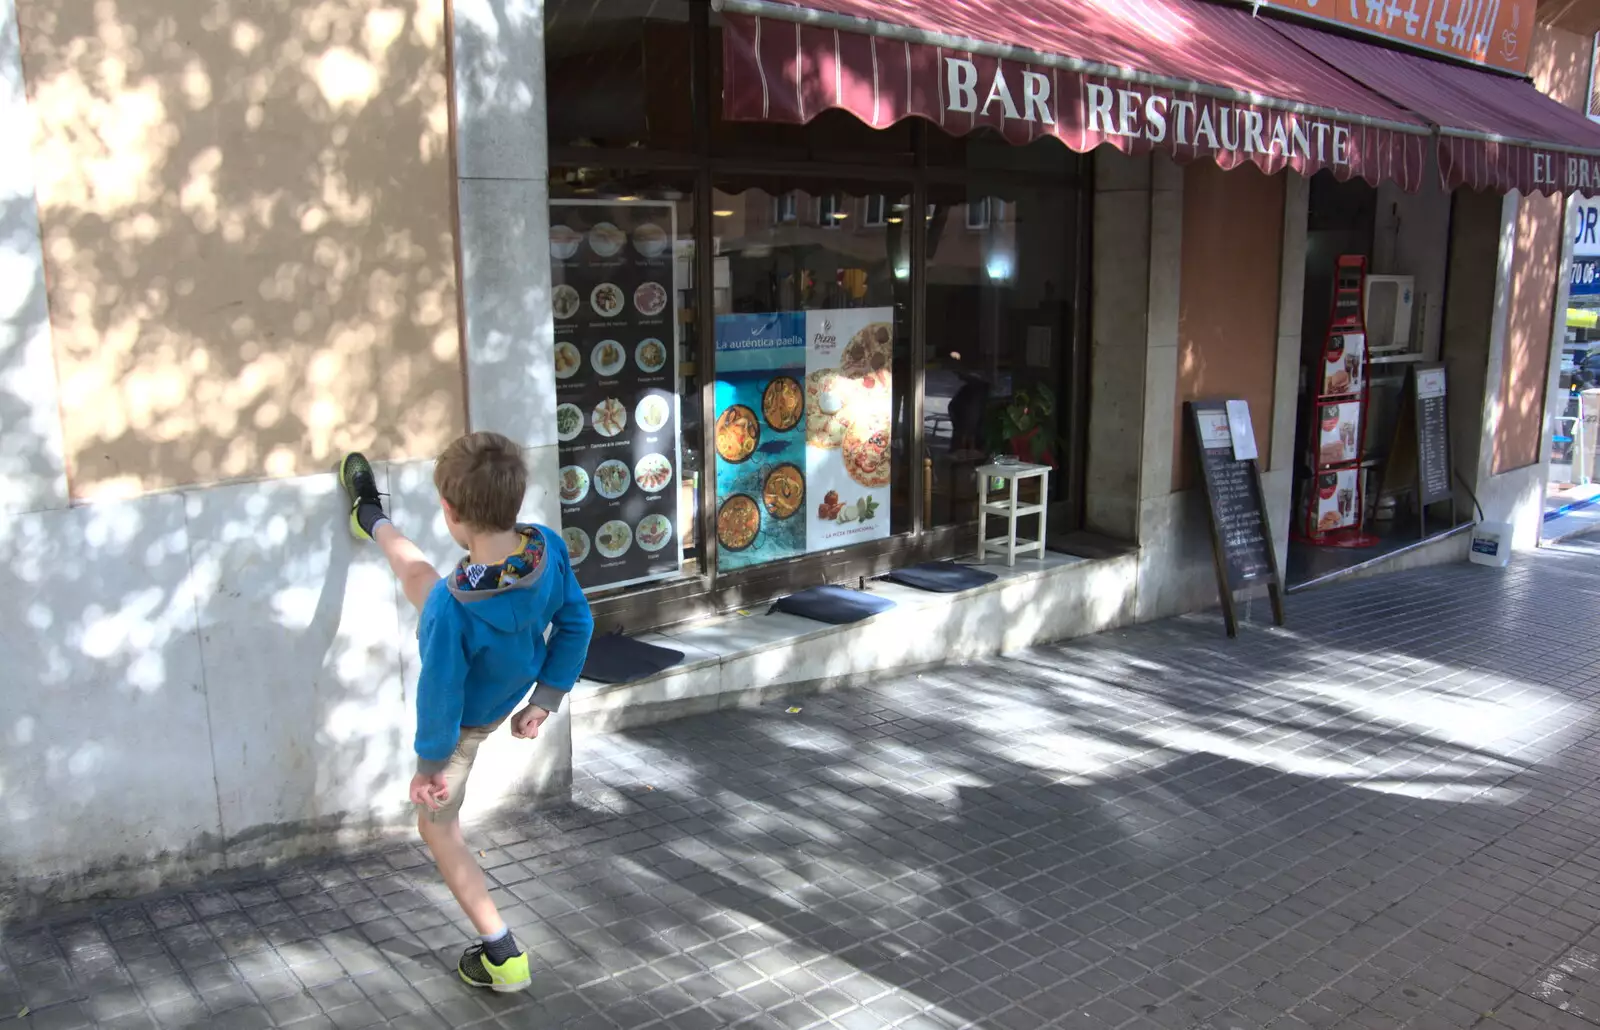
(803, 413)
(616, 365)
(849, 407)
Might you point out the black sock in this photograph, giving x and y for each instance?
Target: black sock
(367, 515)
(503, 950)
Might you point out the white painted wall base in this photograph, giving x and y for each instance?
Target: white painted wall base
(216, 678)
(1516, 497)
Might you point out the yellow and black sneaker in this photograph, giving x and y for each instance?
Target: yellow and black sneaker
(366, 504)
(507, 978)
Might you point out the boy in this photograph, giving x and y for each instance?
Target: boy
(482, 639)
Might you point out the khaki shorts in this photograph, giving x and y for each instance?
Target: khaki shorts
(456, 773)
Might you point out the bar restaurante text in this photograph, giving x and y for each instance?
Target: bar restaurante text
(1153, 117)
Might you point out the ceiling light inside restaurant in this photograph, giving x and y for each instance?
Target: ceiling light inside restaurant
(724, 213)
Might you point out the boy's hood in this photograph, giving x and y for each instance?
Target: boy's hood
(502, 594)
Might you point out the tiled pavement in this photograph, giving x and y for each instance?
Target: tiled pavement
(1384, 816)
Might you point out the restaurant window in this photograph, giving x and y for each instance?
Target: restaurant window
(831, 211)
(617, 73)
(628, 418)
(876, 212)
(812, 372)
(753, 285)
(785, 208)
(1000, 323)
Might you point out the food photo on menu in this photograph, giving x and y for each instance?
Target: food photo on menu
(616, 413)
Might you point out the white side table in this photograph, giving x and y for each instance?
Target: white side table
(1011, 509)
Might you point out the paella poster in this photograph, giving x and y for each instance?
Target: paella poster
(803, 409)
(616, 399)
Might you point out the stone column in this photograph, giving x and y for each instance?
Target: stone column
(1120, 314)
(502, 183)
(1279, 480)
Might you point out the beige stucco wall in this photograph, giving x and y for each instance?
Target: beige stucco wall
(247, 232)
(1228, 306)
(1530, 302)
(1559, 65)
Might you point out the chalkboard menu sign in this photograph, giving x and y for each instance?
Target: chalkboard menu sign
(1419, 457)
(1433, 435)
(616, 358)
(1240, 532)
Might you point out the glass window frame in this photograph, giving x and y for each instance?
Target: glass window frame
(711, 591)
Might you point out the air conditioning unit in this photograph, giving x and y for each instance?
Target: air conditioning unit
(1388, 313)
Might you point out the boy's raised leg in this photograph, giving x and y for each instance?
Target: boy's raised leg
(368, 521)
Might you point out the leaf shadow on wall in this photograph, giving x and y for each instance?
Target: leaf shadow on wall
(247, 234)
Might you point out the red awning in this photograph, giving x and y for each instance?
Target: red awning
(1494, 132)
(1186, 77)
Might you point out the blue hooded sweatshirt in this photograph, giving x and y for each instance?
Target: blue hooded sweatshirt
(482, 638)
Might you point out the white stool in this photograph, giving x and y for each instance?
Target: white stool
(1012, 509)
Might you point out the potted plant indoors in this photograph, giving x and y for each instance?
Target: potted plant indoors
(1025, 426)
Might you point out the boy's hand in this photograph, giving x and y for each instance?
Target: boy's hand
(525, 724)
(431, 791)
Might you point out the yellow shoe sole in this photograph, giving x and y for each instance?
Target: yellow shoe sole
(498, 988)
(355, 527)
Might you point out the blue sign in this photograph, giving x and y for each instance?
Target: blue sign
(753, 353)
(1585, 277)
(1586, 242)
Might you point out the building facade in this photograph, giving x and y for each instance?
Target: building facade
(664, 247)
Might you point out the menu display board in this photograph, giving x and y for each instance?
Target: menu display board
(1240, 530)
(1433, 435)
(803, 413)
(1419, 456)
(616, 363)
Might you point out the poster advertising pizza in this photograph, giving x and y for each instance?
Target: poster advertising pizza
(803, 411)
(849, 408)
(616, 355)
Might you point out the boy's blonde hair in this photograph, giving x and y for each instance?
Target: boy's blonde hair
(483, 478)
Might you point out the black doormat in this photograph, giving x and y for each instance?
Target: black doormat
(832, 604)
(941, 577)
(618, 659)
